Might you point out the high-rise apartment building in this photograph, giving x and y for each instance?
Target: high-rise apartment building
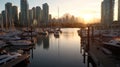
(24, 13)
(45, 13)
(1, 21)
(38, 14)
(4, 19)
(34, 12)
(107, 11)
(15, 15)
(8, 12)
(30, 17)
(119, 10)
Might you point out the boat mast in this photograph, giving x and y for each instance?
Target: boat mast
(58, 13)
(58, 17)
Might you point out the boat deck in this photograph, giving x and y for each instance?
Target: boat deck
(15, 61)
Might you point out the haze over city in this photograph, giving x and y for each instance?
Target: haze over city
(78, 8)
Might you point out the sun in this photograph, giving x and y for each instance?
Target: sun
(87, 18)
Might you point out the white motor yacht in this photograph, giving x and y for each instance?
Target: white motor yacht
(7, 57)
(21, 43)
(114, 43)
(56, 33)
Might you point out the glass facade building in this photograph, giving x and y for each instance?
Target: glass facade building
(45, 13)
(107, 11)
(24, 12)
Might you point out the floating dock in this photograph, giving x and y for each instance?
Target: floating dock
(102, 57)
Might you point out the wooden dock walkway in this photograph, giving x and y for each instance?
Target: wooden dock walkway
(103, 59)
(16, 61)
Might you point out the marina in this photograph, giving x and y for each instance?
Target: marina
(76, 33)
(50, 50)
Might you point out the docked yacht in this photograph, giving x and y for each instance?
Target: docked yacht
(59, 29)
(10, 38)
(2, 44)
(7, 57)
(113, 46)
(50, 30)
(114, 43)
(56, 33)
(28, 33)
(43, 32)
(21, 43)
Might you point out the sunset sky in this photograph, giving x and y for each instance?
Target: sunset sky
(87, 9)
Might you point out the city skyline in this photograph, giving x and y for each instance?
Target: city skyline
(74, 7)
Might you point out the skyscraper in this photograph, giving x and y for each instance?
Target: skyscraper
(1, 21)
(102, 12)
(34, 13)
(4, 18)
(119, 10)
(41, 16)
(50, 17)
(15, 15)
(107, 11)
(8, 11)
(30, 16)
(24, 12)
(38, 14)
(45, 13)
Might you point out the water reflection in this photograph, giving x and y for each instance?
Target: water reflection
(39, 40)
(46, 42)
(43, 40)
(66, 51)
(87, 59)
(69, 34)
(91, 61)
(56, 36)
(59, 52)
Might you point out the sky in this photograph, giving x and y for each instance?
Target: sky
(89, 9)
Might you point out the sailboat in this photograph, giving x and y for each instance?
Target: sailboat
(56, 34)
(58, 29)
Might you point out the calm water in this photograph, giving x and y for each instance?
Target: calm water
(58, 52)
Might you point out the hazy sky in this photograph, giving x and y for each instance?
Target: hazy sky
(79, 8)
